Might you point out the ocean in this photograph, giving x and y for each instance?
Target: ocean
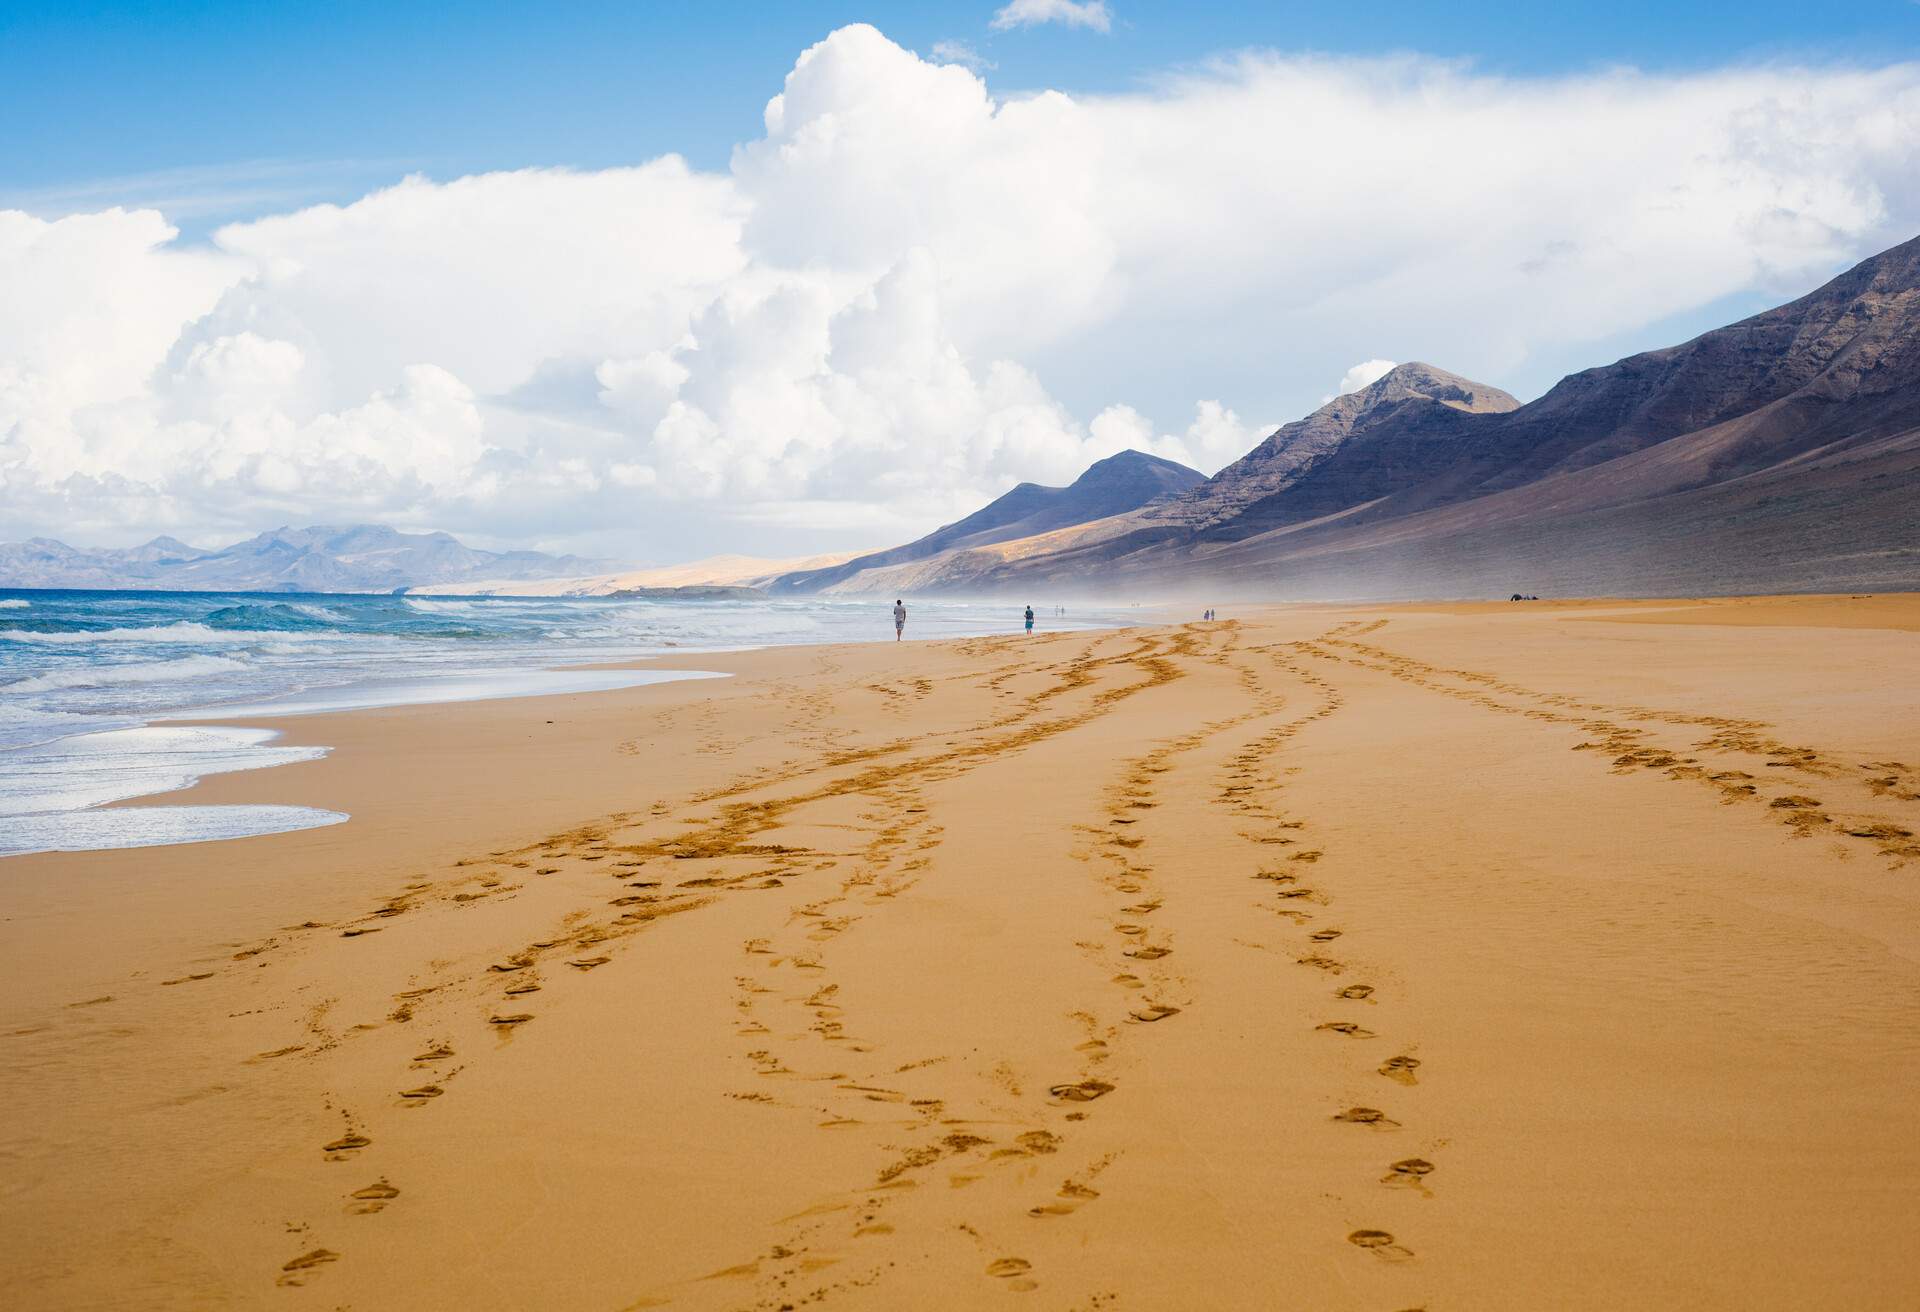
(94, 685)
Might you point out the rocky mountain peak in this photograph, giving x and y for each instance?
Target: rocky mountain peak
(1415, 379)
(1291, 452)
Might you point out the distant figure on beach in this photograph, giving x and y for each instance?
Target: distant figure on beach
(899, 618)
(1029, 619)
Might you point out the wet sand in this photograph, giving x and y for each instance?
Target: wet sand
(1420, 957)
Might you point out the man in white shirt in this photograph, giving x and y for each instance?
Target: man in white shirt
(899, 618)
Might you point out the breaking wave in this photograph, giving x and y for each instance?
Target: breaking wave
(102, 676)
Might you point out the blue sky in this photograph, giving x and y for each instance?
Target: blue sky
(233, 109)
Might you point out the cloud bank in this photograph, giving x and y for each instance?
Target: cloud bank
(905, 296)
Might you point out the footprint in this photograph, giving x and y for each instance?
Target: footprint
(1148, 953)
(511, 964)
(373, 1198)
(346, 1143)
(1365, 1116)
(1401, 1069)
(525, 986)
(1324, 935)
(1084, 1091)
(1408, 1171)
(1355, 991)
(516, 1018)
(291, 1272)
(1154, 1011)
(588, 963)
(1346, 1027)
(1882, 831)
(1008, 1266)
(438, 1052)
(424, 1091)
(1379, 1243)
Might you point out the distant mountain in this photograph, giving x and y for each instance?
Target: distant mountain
(361, 558)
(1780, 453)
(1413, 401)
(712, 572)
(1108, 487)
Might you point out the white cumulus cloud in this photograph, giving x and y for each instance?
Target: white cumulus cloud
(1361, 375)
(907, 295)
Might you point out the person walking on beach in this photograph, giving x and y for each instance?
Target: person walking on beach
(899, 618)
(1029, 619)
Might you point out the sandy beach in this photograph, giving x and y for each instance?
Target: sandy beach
(1512, 956)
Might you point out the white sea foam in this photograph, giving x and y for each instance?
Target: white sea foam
(101, 676)
(29, 726)
(182, 632)
(92, 769)
(154, 826)
(452, 606)
(13, 603)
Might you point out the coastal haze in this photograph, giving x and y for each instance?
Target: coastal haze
(1074, 654)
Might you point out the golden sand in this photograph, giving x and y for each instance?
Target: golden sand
(1445, 958)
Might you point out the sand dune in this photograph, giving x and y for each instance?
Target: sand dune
(1437, 957)
(714, 571)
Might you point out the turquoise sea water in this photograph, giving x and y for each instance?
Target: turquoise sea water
(94, 685)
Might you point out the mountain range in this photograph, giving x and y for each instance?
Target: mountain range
(1780, 453)
(1109, 487)
(362, 558)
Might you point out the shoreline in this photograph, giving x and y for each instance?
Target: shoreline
(380, 766)
(818, 947)
(240, 738)
(75, 763)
